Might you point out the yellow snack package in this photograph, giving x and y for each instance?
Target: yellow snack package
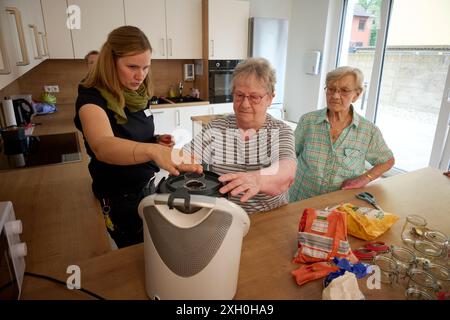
(366, 223)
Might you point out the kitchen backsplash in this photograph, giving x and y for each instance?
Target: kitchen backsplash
(68, 73)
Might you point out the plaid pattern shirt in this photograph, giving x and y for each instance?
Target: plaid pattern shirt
(323, 165)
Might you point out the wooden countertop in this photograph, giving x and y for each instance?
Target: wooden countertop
(62, 222)
(177, 105)
(268, 248)
(204, 120)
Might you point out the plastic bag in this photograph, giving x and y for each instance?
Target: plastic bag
(322, 235)
(366, 223)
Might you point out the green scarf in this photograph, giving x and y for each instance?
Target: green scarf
(134, 100)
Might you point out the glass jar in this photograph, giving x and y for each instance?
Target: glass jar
(441, 240)
(388, 269)
(441, 274)
(416, 294)
(423, 281)
(427, 251)
(413, 229)
(405, 259)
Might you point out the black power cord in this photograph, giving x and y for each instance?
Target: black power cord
(63, 283)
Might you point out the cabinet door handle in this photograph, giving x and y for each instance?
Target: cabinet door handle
(164, 46)
(23, 46)
(170, 46)
(6, 69)
(157, 112)
(44, 43)
(36, 40)
(212, 48)
(178, 118)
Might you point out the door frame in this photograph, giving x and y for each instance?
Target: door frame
(440, 153)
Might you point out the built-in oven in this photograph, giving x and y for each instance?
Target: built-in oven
(220, 76)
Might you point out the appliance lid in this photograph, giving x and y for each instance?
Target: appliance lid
(206, 183)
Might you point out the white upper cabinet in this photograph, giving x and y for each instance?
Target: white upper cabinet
(35, 29)
(59, 41)
(8, 69)
(228, 29)
(150, 17)
(97, 19)
(20, 43)
(184, 29)
(174, 27)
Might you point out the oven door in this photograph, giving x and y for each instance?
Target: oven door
(220, 89)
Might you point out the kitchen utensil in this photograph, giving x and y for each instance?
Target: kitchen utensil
(192, 242)
(368, 197)
(370, 250)
(23, 110)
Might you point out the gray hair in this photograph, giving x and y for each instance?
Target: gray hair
(260, 68)
(341, 72)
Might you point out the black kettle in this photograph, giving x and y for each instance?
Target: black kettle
(23, 111)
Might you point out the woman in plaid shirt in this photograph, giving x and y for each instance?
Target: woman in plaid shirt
(333, 144)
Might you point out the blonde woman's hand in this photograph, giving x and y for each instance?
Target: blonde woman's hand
(173, 161)
(165, 140)
(247, 183)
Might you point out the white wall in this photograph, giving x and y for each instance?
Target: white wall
(418, 22)
(314, 26)
(280, 9)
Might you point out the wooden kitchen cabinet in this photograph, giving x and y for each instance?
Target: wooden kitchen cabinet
(98, 19)
(228, 29)
(174, 27)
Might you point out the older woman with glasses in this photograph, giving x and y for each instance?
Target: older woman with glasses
(252, 151)
(333, 144)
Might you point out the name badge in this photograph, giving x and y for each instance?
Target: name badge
(147, 112)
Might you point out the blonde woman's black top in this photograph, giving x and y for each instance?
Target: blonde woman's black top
(109, 179)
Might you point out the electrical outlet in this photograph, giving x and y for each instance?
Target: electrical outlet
(51, 89)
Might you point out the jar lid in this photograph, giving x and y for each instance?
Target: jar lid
(416, 220)
(428, 248)
(403, 254)
(436, 237)
(439, 271)
(206, 183)
(385, 263)
(422, 278)
(416, 294)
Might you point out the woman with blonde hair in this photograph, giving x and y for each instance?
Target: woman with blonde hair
(118, 130)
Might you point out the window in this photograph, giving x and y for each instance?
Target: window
(362, 24)
(405, 72)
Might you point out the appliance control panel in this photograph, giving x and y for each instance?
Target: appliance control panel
(13, 250)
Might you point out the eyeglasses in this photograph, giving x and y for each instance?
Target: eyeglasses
(341, 91)
(252, 98)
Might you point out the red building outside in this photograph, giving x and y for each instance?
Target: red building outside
(361, 26)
